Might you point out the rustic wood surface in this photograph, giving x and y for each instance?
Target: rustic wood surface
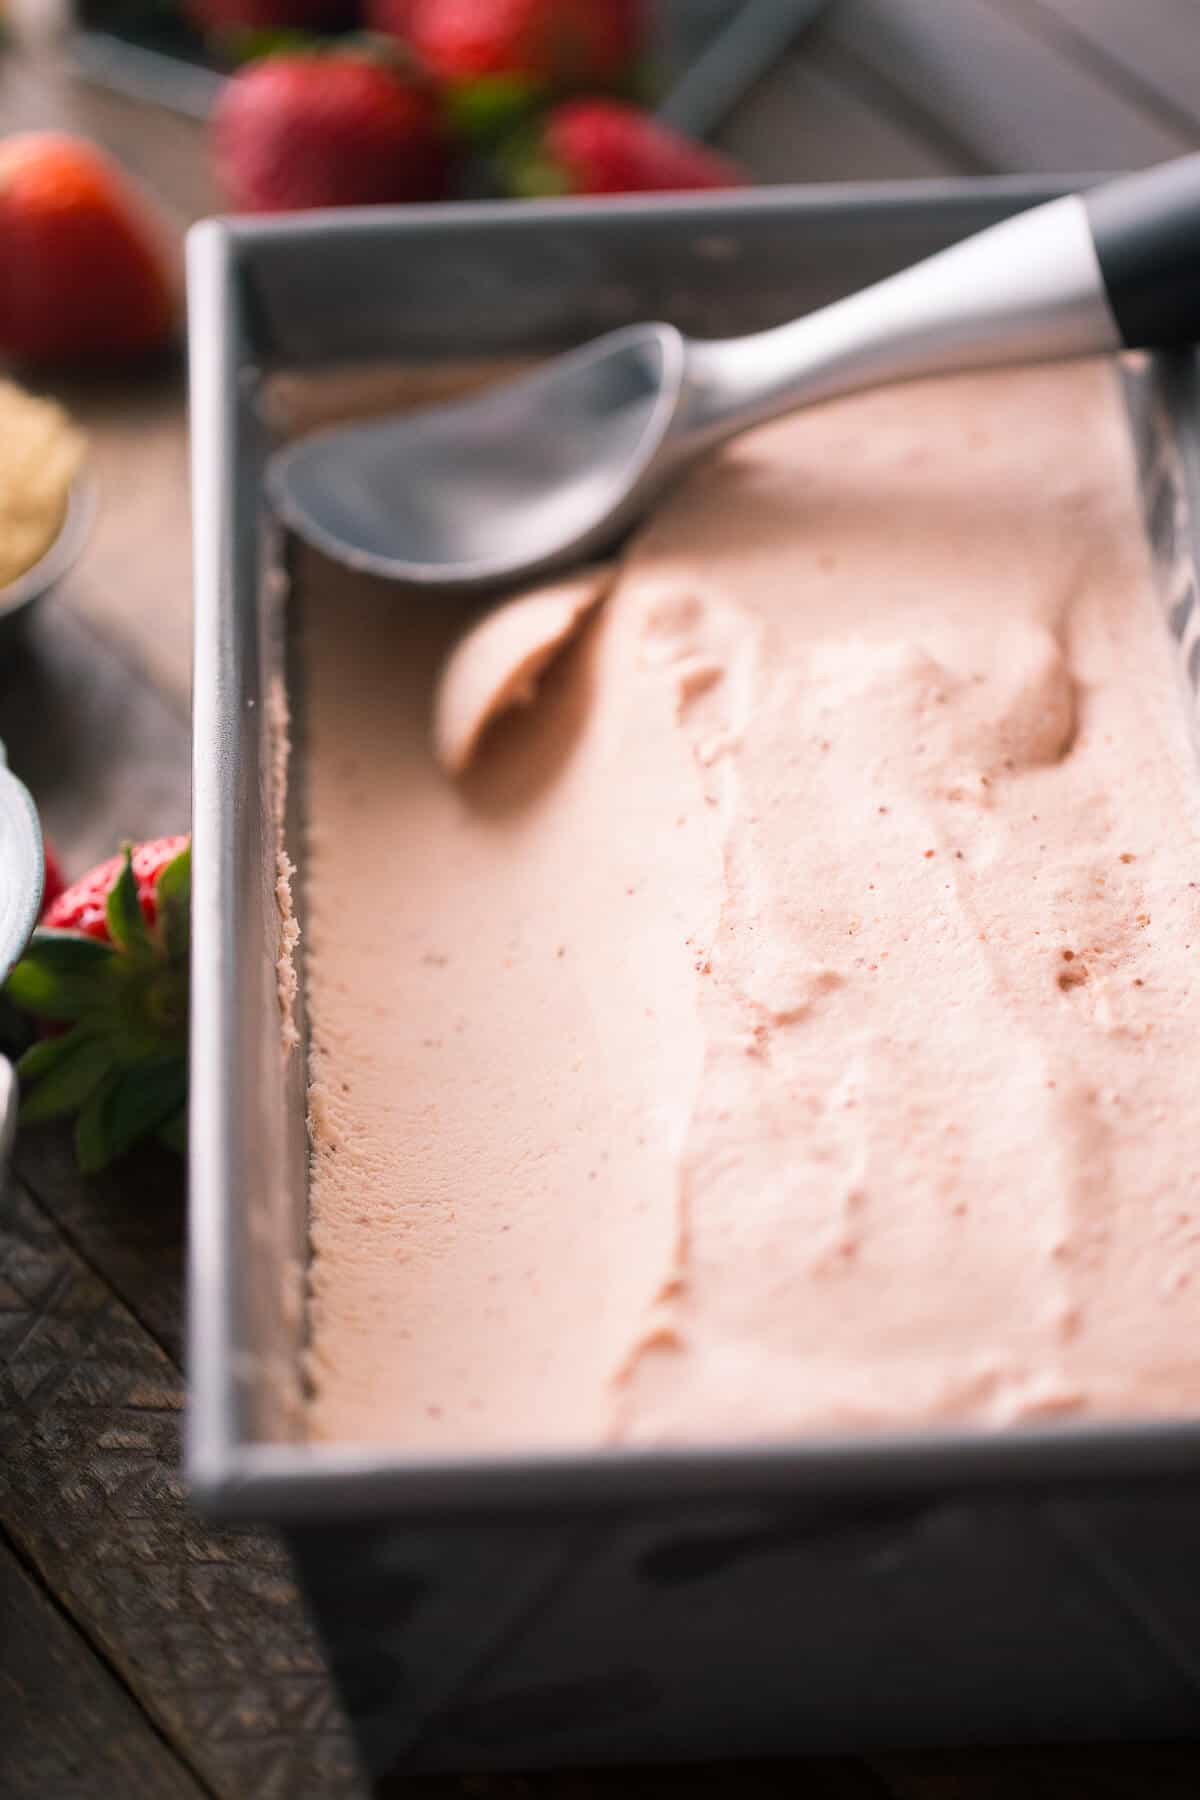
(101, 1737)
(140, 1652)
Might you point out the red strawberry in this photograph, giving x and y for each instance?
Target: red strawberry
(605, 147)
(339, 128)
(84, 905)
(54, 882)
(110, 962)
(86, 272)
(497, 58)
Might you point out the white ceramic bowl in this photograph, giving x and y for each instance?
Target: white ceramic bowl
(17, 597)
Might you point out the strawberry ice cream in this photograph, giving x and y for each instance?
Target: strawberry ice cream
(788, 1022)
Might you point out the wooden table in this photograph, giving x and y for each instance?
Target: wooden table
(140, 1652)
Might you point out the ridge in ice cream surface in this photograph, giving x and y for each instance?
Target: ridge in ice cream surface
(788, 1022)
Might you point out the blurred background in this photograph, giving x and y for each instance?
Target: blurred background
(799, 90)
(219, 104)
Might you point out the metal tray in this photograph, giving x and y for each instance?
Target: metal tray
(519, 1610)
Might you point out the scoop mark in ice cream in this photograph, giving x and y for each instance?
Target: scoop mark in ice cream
(499, 662)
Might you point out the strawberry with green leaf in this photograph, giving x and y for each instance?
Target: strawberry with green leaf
(597, 146)
(106, 976)
(497, 60)
(352, 125)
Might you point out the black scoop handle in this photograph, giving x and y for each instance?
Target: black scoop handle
(1147, 233)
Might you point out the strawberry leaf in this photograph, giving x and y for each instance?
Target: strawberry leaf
(62, 975)
(482, 111)
(174, 1133)
(64, 1088)
(91, 1143)
(126, 922)
(15, 1028)
(40, 1058)
(127, 1105)
(245, 44)
(526, 167)
(174, 894)
(536, 177)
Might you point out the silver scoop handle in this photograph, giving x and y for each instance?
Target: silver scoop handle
(1115, 268)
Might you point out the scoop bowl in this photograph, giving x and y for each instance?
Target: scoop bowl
(552, 465)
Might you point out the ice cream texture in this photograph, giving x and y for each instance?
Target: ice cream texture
(788, 1023)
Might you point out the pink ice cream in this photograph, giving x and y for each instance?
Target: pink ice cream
(790, 1021)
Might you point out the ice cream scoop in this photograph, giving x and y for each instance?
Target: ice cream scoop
(539, 473)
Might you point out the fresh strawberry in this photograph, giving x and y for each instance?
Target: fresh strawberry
(86, 271)
(54, 882)
(345, 127)
(499, 58)
(605, 147)
(110, 962)
(84, 905)
(578, 43)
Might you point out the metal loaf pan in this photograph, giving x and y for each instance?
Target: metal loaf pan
(551, 1609)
